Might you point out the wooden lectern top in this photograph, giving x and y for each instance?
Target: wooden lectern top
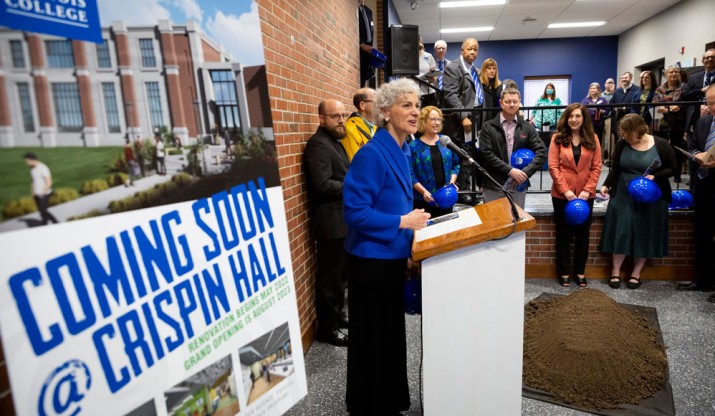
(496, 222)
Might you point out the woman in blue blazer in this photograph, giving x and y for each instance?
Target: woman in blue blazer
(377, 195)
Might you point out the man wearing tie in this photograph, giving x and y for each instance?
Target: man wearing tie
(697, 84)
(462, 89)
(366, 39)
(440, 49)
(704, 195)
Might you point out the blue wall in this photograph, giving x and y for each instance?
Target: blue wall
(586, 60)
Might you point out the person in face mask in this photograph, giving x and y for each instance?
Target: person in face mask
(545, 120)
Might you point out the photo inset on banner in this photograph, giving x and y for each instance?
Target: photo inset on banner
(147, 409)
(211, 391)
(169, 107)
(266, 361)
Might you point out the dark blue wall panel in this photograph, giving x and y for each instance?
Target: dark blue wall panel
(586, 60)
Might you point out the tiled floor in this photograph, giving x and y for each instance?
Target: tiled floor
(686, 320)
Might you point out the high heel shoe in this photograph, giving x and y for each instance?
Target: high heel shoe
(564, 281)
(581, 281)
(614, 282)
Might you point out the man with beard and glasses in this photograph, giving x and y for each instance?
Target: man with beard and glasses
(326, 164)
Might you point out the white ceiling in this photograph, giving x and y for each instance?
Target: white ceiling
(619, 15)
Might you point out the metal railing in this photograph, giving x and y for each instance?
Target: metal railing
(617, 110)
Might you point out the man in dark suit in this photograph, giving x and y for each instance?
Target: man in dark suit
(440, 50)
(326, 164)
(462, 89)
(704, 195)
(697, 84)
(628, 93)
(367, 35)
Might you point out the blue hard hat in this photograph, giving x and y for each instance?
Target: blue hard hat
(445, 197)
(520, 158)
(377, 59)
(576, 212)
(644, 190)
(681, 199)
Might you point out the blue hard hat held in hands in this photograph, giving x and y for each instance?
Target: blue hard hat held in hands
(681, 200)
(520, 158)
(577, 212)
(644, 190)
(445, 197)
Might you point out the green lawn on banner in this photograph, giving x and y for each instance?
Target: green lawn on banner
(70, 166)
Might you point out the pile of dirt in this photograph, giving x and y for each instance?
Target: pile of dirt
(590, 352)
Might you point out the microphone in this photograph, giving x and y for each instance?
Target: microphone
(446, 141)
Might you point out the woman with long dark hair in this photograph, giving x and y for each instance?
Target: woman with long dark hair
(575, 166)
(648, 87)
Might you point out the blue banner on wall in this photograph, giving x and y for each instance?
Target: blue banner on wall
(73, 19)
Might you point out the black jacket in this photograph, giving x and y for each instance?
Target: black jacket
(326, 165)
(661, 175)
(493, 153)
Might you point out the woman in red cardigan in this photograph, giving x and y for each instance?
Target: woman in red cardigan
(575, 166)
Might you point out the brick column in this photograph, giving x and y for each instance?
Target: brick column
(90, 132)
(131, 113)
(173, 83)
(7, 137)
(48, 131)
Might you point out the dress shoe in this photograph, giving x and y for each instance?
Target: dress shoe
(335, 337)
(711, 299)
(694, 287)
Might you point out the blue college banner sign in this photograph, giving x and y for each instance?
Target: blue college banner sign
(73, 19)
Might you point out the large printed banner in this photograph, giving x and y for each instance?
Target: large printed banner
(73, 19)
(181, 309)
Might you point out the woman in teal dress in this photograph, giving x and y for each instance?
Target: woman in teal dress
(632, 228)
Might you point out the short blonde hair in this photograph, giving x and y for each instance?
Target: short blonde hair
(424, 117)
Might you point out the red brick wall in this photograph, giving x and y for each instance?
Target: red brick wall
(322, 63)
(679, 265)
(257, 96)
(210, 53)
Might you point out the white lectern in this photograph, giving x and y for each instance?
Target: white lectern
(473, 314)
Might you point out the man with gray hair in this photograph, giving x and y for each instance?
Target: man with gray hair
(440, 49)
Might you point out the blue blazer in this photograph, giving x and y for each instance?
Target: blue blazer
(377, 191)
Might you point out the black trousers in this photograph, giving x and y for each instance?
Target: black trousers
(330, 283)
(565, 234)
(377, 348)
(43, 202)
(704, 198)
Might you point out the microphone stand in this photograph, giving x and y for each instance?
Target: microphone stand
(514, 212)
(446, 141)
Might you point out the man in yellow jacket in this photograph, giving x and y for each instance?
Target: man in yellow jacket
(361, 125)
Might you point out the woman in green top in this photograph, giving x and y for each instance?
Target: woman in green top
(542, 118)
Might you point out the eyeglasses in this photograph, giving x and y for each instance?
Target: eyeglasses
(707, 58)
(337, 116)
